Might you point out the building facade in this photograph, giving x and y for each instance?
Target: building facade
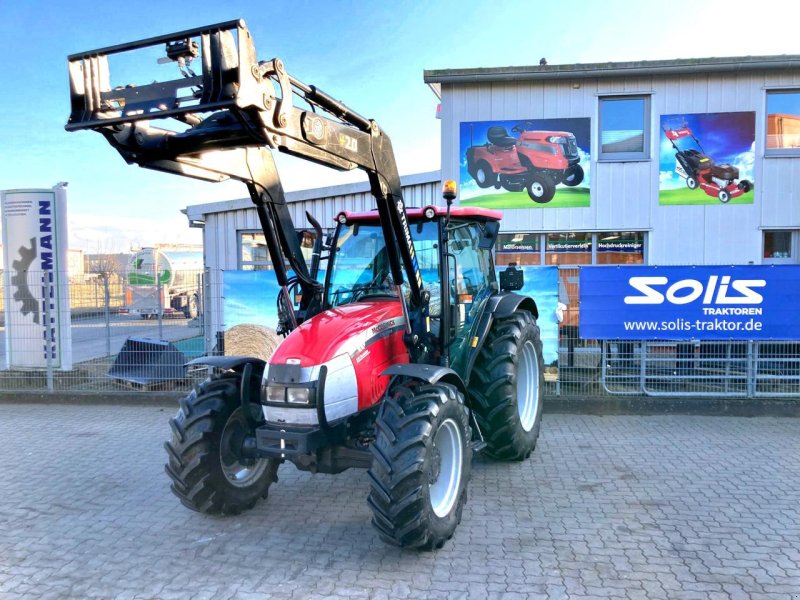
(743, 112)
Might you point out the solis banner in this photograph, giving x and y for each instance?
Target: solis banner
(690, 303)
(532, 163)
(707, 158)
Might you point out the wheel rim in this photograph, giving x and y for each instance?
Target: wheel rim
(445, 479)
(481, 175)
(537, 189)
(237, 473)
(528, 386)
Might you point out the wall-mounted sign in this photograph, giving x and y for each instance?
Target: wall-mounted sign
(690, 303)
(532, 163)
(707, 158)
(37, 312)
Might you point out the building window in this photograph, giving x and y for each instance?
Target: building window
(519, 248)
(574, 248)
(253, 253)
(620, 248)
(781, 246)
(624, 127)
(783, 122)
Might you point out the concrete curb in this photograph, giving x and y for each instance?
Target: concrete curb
(649, 405)
(587, 405)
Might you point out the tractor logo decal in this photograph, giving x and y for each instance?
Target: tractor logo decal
(19, 281)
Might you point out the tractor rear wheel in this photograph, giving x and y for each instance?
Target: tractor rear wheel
(483, 175)
(509, 387)
(691, 183)
(208, 473)
(421, 465)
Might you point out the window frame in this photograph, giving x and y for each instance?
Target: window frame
(794, 247)
(595, 241)
(645, 153)
(777, 152)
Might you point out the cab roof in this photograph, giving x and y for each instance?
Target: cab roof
(459, 212)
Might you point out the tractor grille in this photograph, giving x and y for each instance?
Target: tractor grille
(570, 148)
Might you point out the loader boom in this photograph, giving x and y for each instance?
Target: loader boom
(229, 116)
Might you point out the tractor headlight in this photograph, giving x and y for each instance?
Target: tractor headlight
(298, 395)
(276, 393)
(557, 139)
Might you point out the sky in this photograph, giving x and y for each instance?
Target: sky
(369, 54)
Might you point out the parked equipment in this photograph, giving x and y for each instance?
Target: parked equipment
(536, 161)
(165, 279)
(408, 358)
(699, 170)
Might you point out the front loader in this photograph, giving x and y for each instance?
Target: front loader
(410, 355)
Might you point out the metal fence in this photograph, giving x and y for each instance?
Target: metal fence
(98, 340)
(115, 345)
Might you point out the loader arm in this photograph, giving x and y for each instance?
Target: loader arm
(228, 118)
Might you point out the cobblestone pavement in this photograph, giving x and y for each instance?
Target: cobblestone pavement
(607, 507)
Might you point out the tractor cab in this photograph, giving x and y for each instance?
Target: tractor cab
(454, 259)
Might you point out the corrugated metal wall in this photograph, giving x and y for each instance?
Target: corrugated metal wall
(624, 195)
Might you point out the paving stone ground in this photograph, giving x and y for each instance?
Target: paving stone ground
(607, 507)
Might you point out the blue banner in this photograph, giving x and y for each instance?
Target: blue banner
(541, 284)
(690, 303)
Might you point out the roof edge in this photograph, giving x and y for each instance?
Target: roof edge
(614, 69)
(196, 211)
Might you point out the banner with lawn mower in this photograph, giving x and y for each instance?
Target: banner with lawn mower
(533, 163)
(707, 159)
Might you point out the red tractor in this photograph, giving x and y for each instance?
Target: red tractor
(700, 170)
(407, 359)
(536, 161)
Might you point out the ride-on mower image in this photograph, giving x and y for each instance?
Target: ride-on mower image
(536, 161)
(407, 359)
(699, 170)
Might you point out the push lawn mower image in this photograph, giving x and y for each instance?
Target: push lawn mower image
(536, 161)
(700, 170)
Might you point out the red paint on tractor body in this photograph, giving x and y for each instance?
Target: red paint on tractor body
(370, 332)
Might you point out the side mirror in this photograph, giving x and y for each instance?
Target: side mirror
(489, 235)
(512, 279)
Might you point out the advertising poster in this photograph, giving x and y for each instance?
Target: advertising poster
(250, 298)
(541, 284)
(690, 303)
(37, 312)
(707, 159)
(533, 163)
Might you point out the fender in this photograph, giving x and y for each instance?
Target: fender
(504, 305)
(501, 306)
(428, 374)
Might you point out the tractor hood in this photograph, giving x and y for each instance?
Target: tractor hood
(346, 329)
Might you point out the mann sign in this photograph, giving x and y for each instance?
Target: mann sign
(37, 314)
(690, 303)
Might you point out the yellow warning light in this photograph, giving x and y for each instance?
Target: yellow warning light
(449, 190)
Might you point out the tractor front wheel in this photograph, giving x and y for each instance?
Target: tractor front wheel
(421, 465)
(205, 464)
(541, 188)
(573, 176)
(723, 196)
(509, 387)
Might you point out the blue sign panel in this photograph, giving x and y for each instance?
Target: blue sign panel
(690, 303)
